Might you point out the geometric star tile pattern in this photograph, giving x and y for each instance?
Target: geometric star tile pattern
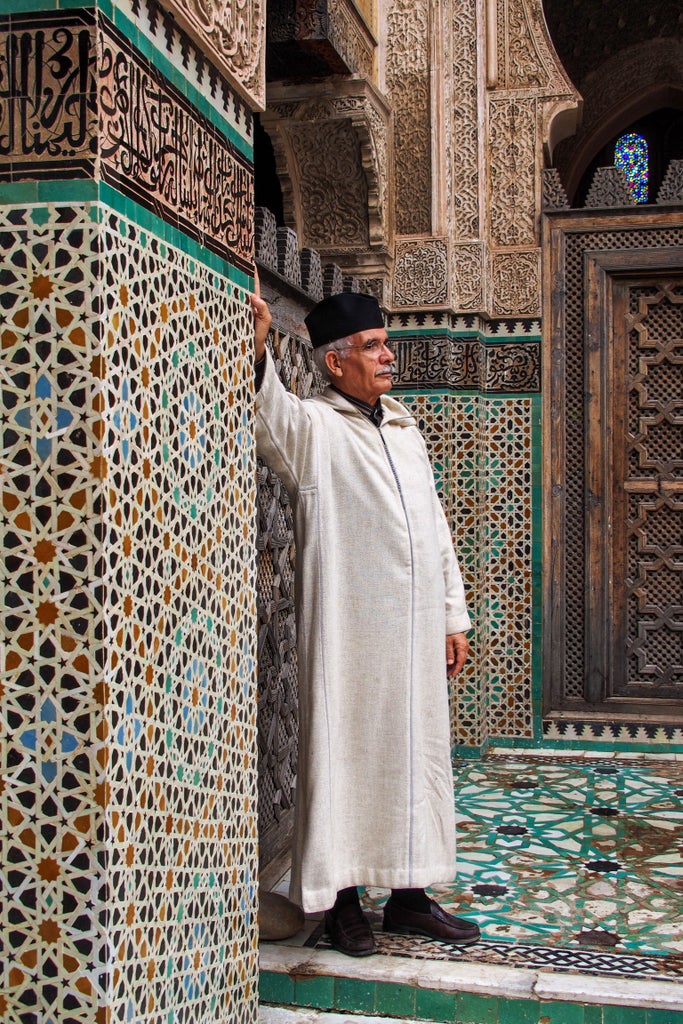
(485, 464)
(129, 843)
(567, 864)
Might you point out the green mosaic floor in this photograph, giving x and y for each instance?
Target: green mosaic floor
(569, 863)
(573, 868)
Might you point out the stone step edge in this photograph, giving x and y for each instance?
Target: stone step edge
(474, 978)
(303, 1015)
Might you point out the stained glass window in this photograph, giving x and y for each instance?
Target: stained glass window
(631, 154)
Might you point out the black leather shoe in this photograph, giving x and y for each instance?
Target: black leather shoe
(435, 923)
(349, 931)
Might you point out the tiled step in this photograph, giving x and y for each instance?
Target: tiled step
(306, 981)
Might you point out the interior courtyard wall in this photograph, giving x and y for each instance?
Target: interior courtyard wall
(448, 142)
(493, 85)
(129, 839)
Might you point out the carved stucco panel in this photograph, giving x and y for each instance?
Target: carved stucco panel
(526, 56)
(331, 182)
(354, 164)
(421, 272)
(516, 283)
(512, 147)
(524, 63)
(372, 131)
(232, 34)
(467, 277)
(347, 36)
(407, 84)
(464, 187)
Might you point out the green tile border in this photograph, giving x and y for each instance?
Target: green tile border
(397, 1001)
(474, 1009)
(664, 1017)
(463, 334)
(433, 1005)
(86, 190)
(29, 6)
(624, 1015)
(275, 988)
(317, 992)
(566, 1013)
(524, 1011)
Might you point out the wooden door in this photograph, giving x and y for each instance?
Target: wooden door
(619, 503)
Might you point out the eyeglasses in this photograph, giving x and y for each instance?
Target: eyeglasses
(371, 346)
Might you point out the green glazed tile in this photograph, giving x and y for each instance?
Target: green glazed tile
(395, 1000)
(624, 1015)
(355, 996)
(76, 190)
(431, 1005)
(275, 988)
(317, 992)
(26, 6)
(18, 193)
(471, 1009)
(566, 1013)
(664, 1017)
(522, 1011)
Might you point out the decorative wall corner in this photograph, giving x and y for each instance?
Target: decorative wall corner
(609, 188)
(554, 195)
(516, 280)
(421, 272)
(671, 189)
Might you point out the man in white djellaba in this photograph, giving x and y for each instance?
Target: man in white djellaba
(381, 625)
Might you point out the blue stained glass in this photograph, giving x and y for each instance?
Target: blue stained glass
(631, 154)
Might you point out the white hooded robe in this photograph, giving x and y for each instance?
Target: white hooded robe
(378, 588)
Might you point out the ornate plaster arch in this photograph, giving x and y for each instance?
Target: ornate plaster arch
(629, 85)
(528, 89)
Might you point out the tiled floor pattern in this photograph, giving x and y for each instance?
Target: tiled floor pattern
(565, 863)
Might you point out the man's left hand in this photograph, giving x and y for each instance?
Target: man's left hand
(457, 650)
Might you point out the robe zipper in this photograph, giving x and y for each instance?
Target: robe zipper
(411, 773)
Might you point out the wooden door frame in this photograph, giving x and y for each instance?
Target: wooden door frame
(602, 269)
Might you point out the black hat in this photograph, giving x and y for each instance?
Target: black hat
(340, 315)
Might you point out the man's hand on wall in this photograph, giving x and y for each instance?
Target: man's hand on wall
(262, 319)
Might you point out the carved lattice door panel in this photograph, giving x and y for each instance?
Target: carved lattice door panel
(614, 480)
(648, 490)
(635, 469)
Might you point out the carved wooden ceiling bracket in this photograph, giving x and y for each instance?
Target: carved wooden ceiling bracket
(332, 153)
